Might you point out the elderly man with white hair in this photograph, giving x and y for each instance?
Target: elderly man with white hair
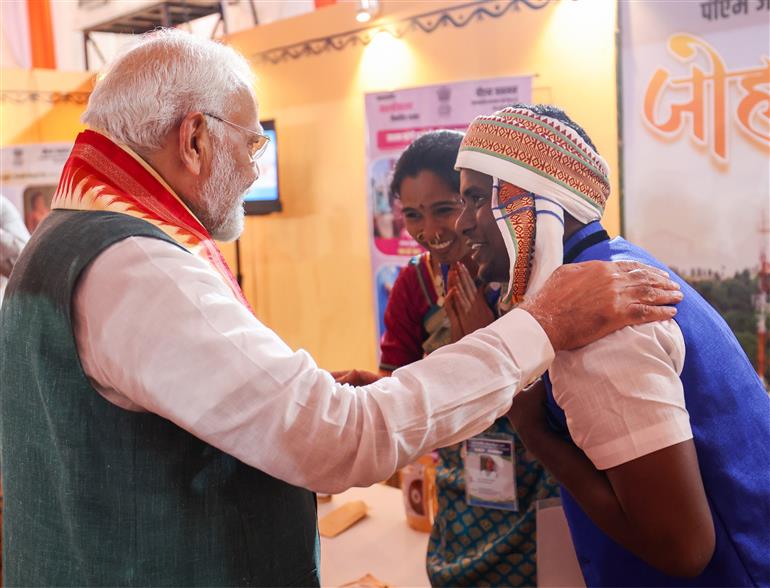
(154, 432)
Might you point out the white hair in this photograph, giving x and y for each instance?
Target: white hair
(166, 75)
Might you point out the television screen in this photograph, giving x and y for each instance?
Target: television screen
(263, 196)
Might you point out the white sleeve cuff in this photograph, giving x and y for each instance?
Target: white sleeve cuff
(641, 443)
(526, 342)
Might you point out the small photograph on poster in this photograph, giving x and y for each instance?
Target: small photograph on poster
(389, 228)
(388, 222)
(37, 204)
(385, 278)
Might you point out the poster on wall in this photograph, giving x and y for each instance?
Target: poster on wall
(393, 121)
(696, 148)
(29, 177)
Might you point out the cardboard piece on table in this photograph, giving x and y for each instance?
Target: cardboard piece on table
(367, 581)
(342, 518)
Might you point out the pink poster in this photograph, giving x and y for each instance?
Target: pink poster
(394, 120)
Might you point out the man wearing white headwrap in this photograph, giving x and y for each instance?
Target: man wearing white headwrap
(661, 457)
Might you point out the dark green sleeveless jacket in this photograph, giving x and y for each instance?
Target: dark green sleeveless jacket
(100, 496)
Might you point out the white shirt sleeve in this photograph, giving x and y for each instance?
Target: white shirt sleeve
(622, 395)
(158, 330)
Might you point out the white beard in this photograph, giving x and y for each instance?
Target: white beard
(222, 195)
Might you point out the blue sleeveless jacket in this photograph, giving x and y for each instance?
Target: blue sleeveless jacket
(730, 418)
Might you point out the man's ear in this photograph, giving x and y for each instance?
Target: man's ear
(194, 142)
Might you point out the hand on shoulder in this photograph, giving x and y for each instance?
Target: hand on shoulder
(582, 302)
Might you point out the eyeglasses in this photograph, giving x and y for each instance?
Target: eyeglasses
(257, 146)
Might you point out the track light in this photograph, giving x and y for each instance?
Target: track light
(367, 10)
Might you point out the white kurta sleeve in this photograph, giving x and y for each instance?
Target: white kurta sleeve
(158, 330)
(622, 395)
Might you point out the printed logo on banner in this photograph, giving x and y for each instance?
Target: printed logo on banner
(444, 94)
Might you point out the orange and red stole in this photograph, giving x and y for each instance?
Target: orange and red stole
(101, 175)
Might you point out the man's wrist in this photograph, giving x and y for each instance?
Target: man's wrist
(527, 343)
(545, 320)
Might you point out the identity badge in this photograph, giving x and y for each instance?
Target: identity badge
(490, 472)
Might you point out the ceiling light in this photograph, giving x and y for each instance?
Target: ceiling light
(367, 10)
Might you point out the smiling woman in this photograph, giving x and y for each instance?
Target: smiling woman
(425, 181)
(431, 207)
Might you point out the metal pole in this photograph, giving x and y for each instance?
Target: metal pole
(222, 18)
(86, 36)
(253, 12)
(165, 17)
(238, 275)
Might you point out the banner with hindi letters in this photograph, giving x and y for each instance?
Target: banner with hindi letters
(696, 146)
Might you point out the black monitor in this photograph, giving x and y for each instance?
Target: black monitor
(263, 197)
